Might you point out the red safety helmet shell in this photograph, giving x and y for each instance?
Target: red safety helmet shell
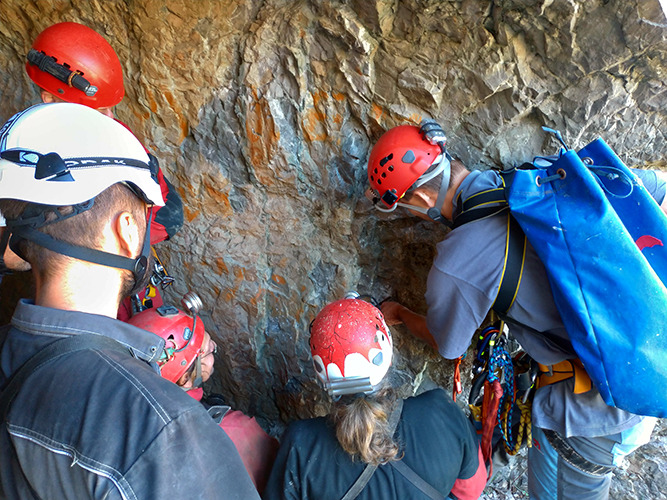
(398, 159)
(182, 344)
(83, 50)
(350, 339)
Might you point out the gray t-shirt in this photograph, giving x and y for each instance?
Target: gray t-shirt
(462, 286)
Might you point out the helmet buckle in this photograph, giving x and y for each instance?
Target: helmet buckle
(53, 168)
(389, 197)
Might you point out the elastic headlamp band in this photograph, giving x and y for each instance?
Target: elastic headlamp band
(52, 166)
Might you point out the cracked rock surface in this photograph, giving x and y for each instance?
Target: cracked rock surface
(262, 114)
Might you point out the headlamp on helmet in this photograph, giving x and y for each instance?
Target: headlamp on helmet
(76, 64)
(182, 332)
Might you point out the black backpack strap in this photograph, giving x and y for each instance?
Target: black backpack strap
(479, 206)
(409, 474)
(404, 469)
(48, 354)
(489, 203)
(515, 257)
(370, 469)
(360, 483)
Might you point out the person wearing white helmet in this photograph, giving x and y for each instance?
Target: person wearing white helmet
(84, 412)
(373, 444)
(71, 62)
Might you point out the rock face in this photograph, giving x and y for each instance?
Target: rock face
(262, 115)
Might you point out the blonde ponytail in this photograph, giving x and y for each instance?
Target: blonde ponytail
(362, 427)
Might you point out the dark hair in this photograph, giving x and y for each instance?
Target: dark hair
(84, 229)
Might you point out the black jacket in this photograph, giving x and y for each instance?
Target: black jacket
(104, 424)
(438, 441)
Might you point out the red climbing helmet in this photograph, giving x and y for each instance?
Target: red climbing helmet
(351, 347)
(398, 160)
(183, 334)
(76, 64)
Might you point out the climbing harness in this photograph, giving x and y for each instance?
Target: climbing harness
(159, 278)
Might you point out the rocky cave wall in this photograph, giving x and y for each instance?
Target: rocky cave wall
(262, 114)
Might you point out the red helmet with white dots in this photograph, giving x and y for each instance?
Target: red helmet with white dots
(351, 347)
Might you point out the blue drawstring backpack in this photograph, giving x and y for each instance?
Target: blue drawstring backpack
(601, 237)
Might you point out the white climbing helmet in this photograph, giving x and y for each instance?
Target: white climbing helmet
(63, 154)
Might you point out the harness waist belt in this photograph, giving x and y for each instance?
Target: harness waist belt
(563, 371)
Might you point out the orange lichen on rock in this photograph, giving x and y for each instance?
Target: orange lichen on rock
(278, 280)
(220, 266)
(182, 120)
(260, 131)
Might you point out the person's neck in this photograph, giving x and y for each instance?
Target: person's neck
(81, 287)
(448, 205)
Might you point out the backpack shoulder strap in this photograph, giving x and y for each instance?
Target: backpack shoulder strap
(370, 469)
(49, 353)
(408, 473)
(515, 257)
(486, 204)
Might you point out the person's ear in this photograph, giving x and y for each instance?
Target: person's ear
(128, 234)
(185, 381)
(48, 97)
(425, 195)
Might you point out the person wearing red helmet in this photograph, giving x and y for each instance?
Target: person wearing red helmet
(591, 437)
(71, 62)
(187, 360)
(373, 444)
(83, 410)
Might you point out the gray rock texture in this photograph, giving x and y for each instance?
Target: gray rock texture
(262, 114)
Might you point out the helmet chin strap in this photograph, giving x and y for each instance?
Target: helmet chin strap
(25, 230)
(433, 212)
